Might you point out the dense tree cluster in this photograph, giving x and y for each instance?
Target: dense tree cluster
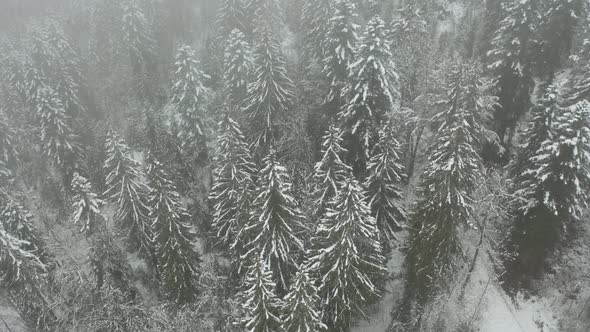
(123, 207)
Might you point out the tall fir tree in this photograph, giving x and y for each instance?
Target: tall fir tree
(371, 93)
(315, 20)
(9, 155)
(58, 141)
(385, 173)
(233, 185)
(18, 222)
(445, 194)
(188, 100)
(276, 227)
(510, 61)
(330, 172)
(349, 257)
(301, 312)
(271, 91)
(16, 262)
(341, 39)
(260, 304)
(230, 17)
(173, 237)
(127, 190)
(87, 206)
(237, 63)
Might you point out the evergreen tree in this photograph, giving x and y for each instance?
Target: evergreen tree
(233, 184)
(301, 306)
(270, 92)
(126, 189)
(15, 261)
(188, 102)
(349, 257)
(444, 204)
(87, 205)
(260, 304)
(18, 222)
(174, 239)
(315, 20)
(384, 175)
(276, 223)
(137, 35)
(263, 15)
(57, 139)
(231, 17)
(340, 43)
(511, 63)
(8, 153)
(330, 172)
(371, 92)
(237, 67)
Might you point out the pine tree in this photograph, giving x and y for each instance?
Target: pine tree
(442, 208)
(315, 20)
(237, 68)
(173, 237)
(384, 175)
(349, 257)
(9, 155)
(271, 91)
(188, 102)
(263, 15)
(261, 305)
(340, 43)
(511, 62)
(18, 222)
(371, 92)
(276, 223)
(330, 172)
(137, 35)
(301, 306)
(231, 17)
(87, 205)
(15, 261)
(57, 139)
(126, 189)
(233, 184)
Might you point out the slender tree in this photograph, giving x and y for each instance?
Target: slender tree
(230, 17)
(315, 16)
(188, 101)
(233, 185)
(126, 189)
(301, 311)
(371, 92)
(276, 223)
(260, 304)
(385, 173)
(237, 63)
(173, 237)
(349, 257)
(271, 91)
(87, 214)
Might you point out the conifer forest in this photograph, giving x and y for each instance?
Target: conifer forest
(295, 165)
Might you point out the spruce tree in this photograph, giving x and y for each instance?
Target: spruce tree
(341, 39)
(9, 155)
(233, 185)
(18, 222)
(237, 63)
(126, 189)
(137, 35)
(385, 173)
(349, 257)
(315, 20)
(446, 189)
(330, 172)
(174, 239)
(271, 91)
(371, 92)
(57, 139)
(231, 17)
(16, 262)
(510, 61)
(301, 312)
(188, 100)
(261, 306)
(87, 214)
(276, 224)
